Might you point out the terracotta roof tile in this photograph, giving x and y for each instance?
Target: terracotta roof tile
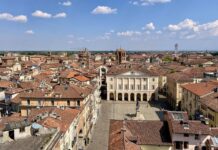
(211, 101)
(202, 88)
(62, 121)
(81, 78)
(131, 134)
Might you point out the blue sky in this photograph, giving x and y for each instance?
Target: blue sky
(108, 24)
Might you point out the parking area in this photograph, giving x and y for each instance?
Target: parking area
(119, 110)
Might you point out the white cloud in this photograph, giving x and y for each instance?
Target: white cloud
(149, 2)
(104, 10)
(129, 33)
(186, 24)
(149, 26)
(10, 17)
(134, 2)
(41, 14)
(148, 32)
(210, 27)
(60, 15)
(159, 32)
(172, 27)
(30, 32)
(107, 35)
(189, 29)
(190, 36)
(67, 3)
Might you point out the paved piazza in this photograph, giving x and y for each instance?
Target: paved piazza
(119, 110)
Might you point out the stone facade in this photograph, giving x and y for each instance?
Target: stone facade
(132, 86)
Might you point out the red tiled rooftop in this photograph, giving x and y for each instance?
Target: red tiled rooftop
(202, 88)
(81, 78)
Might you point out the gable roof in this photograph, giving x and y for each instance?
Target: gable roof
(201, 89)
(130, 133)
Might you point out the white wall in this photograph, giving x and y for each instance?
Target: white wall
(190, 139)
(20, 135)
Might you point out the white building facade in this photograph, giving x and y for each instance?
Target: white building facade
(132, 86)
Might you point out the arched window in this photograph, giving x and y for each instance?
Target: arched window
(120, 96)
(132, 97)
(138, 97)
(126, 97)
(144, 97)
(112, 96)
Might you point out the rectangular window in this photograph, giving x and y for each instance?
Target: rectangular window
(120, 87)
(111, 87)
(145, 87)
(139, 87)
(186, 145)
(153, 87)
(186, 135)
(78, 103)
(178, 145)
(126, 87)
(132, 87)
(197, 137)
(68, 103)
(28, 102)
(22, 129)
(153, 79)
(52, 102)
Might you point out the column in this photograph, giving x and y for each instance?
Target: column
(108, 95)
(123, 97)
(117, 83)
(129, 83)
(141, 97)
(148, 80)
(122, 84)
(141, 80)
